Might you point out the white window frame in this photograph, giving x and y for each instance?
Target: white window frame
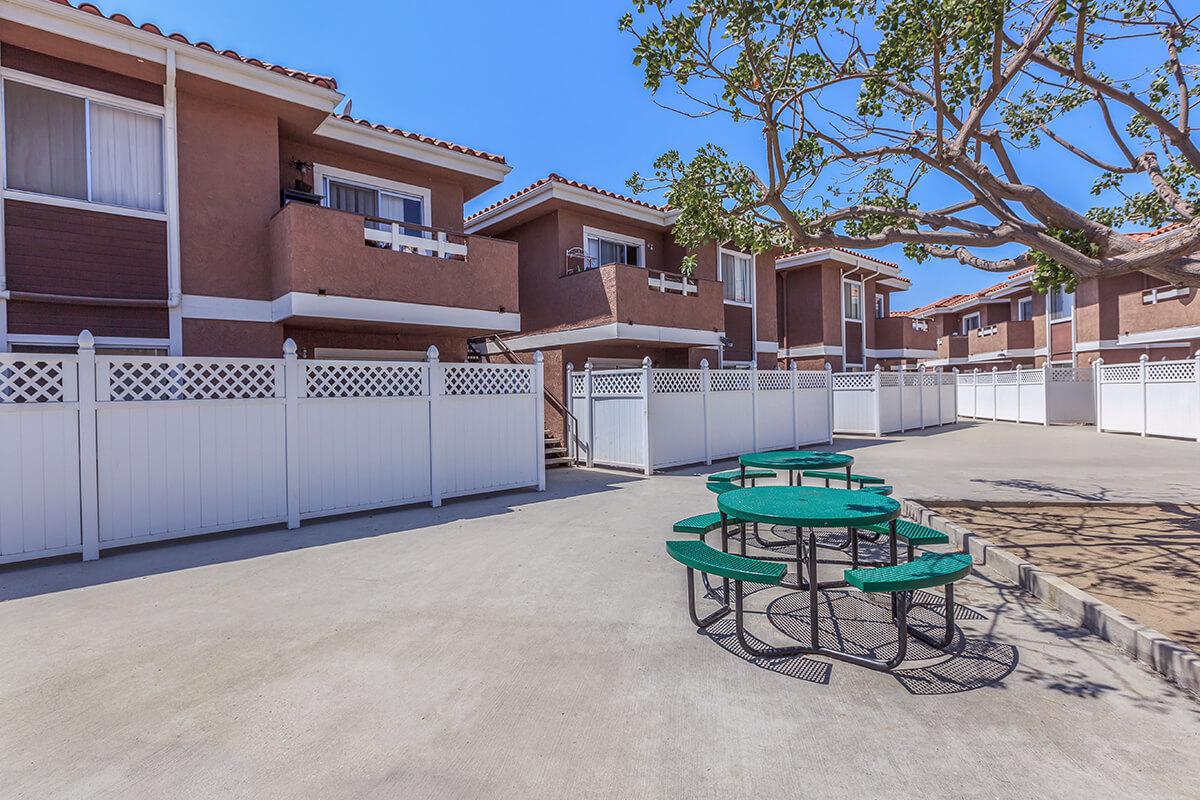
(1050, 306)
(90, 96)
(322, 172)
(862, 300)
(753, 279)
(1022, 302)
(962, 324)
(619, 238)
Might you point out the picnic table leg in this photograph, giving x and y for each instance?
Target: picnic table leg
(854, 548)
(812, 589)
(848, 473)
(893, 558)
(800, 581)
(725, 549)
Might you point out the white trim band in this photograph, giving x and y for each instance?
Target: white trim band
(614, 331)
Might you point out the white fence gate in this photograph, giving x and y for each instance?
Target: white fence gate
(879, 402)
(113, 450)
(1160, 398)
(649, 418)
(1042, 396)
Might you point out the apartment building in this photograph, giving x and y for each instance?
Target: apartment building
(1118, 319)
(835, 306)
(177, 199)
(600, 283)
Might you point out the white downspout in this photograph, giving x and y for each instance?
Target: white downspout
(171, 168)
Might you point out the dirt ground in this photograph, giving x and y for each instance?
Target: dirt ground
(1143, 559)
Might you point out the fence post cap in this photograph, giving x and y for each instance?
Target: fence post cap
(955, 369)
(828, 366)
(86, 340)
(587, 367)
(570, 367)
(995, 369)
(647, 362)
(432, 353)
(1018, 367)
(792, 365)
(537, 357)
(878, 368)
(704, 363)
(289, 347)
(1143, 358)
(1099, 360)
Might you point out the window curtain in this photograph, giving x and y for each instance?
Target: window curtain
(45, 141)
(403, 209)
(127, 158)
(735, 275)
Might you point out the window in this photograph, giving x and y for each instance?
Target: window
(610, 248)
(970, 323)
(1025, 309)
(880, 313)
(369, 201)
(66, 146)
(852, 301)
(736, 274)
(1062, 304)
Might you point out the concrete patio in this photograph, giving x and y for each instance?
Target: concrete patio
(537, 645)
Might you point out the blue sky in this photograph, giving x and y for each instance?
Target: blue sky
(548, 84)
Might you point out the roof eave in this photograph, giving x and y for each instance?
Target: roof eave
(556, 190)
(348, 132)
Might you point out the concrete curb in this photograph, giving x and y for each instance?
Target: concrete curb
(1174, 661)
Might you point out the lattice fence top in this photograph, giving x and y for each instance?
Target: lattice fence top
(853, 380)
(811, 379)
(966, 378)
(364, 379)
(1006, 378)
(1121, 373)
(475, 379)
(889, 378)
(774, 379)
(677, 381)
(29, 381)
(190, 379)
(1032, 376)
(729, 380)
(578, 384)
(928, 378)
(616, 383)
(983, 379)
(1070, 375)
(1171, 372)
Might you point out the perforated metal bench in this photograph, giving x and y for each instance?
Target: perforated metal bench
(735, 475)
(912, 534)
(861, 480)
(926, 572)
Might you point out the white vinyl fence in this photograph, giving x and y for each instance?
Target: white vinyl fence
(103, 451)
(1150, 398)
(1043, 396)
(649, 418)
(879, 402)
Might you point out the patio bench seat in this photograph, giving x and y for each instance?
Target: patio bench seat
(700, 524)
(720, 487)
(731, 475)
(861, 480)
(912, 533)
(931, 569)
(884, 490)
(697, 555)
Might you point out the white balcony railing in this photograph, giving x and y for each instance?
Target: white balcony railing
(920, 324)
(672, 282)
(990, 330)
(1160, 293)
(410, 238)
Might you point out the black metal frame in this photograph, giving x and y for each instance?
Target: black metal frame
(901, 605)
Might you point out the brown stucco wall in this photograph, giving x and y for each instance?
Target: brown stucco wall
(228, 192)
(59, 69)
(213, 338)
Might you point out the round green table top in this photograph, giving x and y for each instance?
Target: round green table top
(808, 506)
(796, 459)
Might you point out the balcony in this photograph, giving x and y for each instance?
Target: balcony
(1162, 308)
(641, 298)
(952, 346)
(1002, 337)
(333, 264)
(903, 334)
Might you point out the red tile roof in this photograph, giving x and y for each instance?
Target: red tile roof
(554, 177)
(1142, 236)
(323, 81)
(458, 148)
(807, 250)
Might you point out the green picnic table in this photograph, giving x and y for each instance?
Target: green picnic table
(796, 461)
(803, 507)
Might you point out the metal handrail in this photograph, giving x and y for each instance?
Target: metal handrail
(555, 403)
